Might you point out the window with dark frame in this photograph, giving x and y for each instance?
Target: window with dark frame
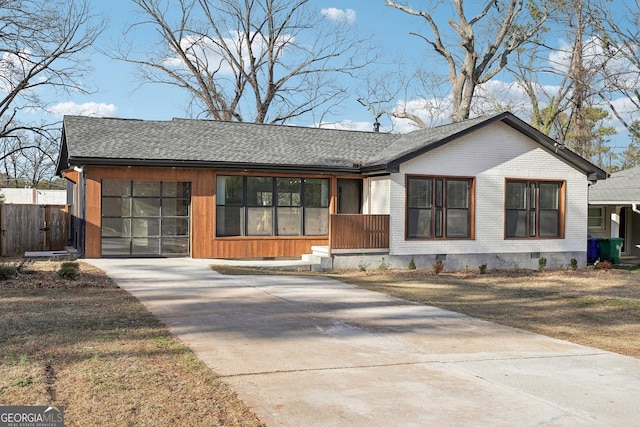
(439, 208)
(533, 209)
(271, 206)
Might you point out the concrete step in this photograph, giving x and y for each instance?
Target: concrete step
(320, 250)
(318, 262)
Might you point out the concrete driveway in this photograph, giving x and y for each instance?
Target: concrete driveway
(313, 351)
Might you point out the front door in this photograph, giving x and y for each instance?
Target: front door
(145, 218)
(349, 196)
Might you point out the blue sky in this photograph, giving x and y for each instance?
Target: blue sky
(119, 93)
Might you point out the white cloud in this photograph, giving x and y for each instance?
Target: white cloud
(93, 109)
(346, 16)
(348, 125)
(13, 68)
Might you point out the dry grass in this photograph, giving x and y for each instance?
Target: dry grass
(90, 346)
(598, 308)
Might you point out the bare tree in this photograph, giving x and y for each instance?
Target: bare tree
(482, 44)
(248, 60)
(619, 34)
(41, 42)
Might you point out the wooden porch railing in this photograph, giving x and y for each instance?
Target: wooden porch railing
(350, 231)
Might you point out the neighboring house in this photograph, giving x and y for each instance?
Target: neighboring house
(614, 209)
(33, 196)
(490, 190)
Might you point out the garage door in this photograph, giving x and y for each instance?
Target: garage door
(145, 218)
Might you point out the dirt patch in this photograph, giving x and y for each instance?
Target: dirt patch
(90, 346)
(598, 308)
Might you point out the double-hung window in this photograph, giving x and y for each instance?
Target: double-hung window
(596, 218)
(439, 208)
(271, 206)
(534, 209)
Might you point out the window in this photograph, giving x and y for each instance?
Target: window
(534, 209)
(268, 206)
(596, 217)
(439, 208)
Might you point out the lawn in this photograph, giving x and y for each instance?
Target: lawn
(90, 346)
(598, 308)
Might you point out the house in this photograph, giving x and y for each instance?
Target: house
(491, 190)
(614, 209)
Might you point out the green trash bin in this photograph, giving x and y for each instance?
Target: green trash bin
(610, 249)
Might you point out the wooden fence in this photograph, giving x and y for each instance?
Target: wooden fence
(359, 231)
(33, 228)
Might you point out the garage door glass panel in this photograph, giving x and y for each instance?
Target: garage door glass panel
(116, 188)
(116, 247)
(175, 227)
(146, 227)
(116, 227)
(175, 245)
(175, 207)
(116, 207)
(145, 246)
(146, 207)
(147, 188)
(176, 189)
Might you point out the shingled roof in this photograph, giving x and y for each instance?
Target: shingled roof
(218, 144)
(622, 188)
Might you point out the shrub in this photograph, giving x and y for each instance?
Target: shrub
(542, 263)
(69, 270)
(383, 265)
(574, 264)
(483, 269)
(363, 265)
(7, 271)
(412, 265)
(438, 267)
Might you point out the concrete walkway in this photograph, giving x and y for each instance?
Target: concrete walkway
(315, 352)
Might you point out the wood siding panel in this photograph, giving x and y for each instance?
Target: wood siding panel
(359, 231)
(203, 184)
(230, 248)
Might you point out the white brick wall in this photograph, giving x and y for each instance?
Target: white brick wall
(380, 195)
(491, 154)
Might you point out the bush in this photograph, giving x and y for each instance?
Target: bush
(69, 270)
(574, 264)
(363, 265)
(542, 264)
(412, 265)
(7, 271)
(383, 265)
(438, 267)
(483, 269)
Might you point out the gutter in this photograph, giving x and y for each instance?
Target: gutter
(199, 164)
